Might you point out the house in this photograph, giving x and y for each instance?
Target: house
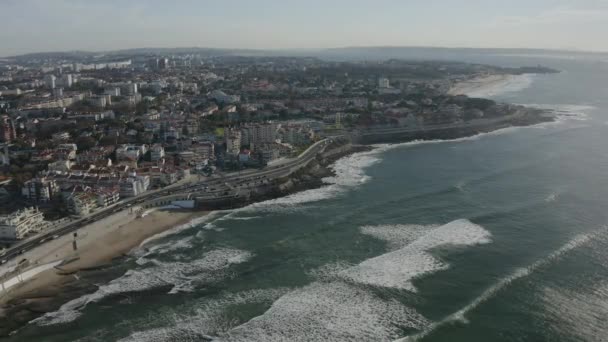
(19, 224)
(81, 203)
(107, 196)
(40, 189)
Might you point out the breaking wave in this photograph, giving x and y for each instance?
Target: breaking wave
(180, 276)
(178, 229)
(565, 112)
(340, 306)
(397, 236)
(349, 173)
(208, 318)
(519, 273)
(399, 268)
(329, 312)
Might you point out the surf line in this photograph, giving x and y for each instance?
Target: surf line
(519, 273)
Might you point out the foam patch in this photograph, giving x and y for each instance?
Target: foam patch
(328, 312)
(399, 268)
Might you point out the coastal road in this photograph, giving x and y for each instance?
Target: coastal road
(247, 176)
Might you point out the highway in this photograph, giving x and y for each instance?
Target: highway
(244, 177)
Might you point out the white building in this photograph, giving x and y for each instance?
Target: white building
(131, 88)
(134, 186)
(257, 134)
(98, 101)
(112, 91)
(107, 197)
(223, 98)
(20, 223)
(50, 81)
(130, 152)
(157, 152)
(383, 82)
(67, 80)
(81, 203)
(233, 141)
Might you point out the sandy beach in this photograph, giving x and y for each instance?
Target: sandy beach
(489, 85)
(478, 83)
(98, 244)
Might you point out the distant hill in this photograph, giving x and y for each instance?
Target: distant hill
(343, 53)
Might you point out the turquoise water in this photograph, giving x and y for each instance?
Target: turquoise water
(499, 237)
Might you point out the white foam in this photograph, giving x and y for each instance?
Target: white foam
(245, 218)
(193, 223)
(207, 319)
(519, 273)
(399, 268)
(212, 267)
(565, 112)
(328, 312)
(171, 246)
(68, 312)
(349, 173)
(397, 236)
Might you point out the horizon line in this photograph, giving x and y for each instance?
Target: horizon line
(317, 49)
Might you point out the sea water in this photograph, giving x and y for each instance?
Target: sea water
(497, 237)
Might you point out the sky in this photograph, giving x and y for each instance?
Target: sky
(60, 25)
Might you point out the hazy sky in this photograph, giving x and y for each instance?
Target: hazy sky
(55, 25)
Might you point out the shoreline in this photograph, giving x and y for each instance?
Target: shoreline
(114, 237)
(48, 290)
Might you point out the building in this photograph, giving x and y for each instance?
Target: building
(50, 81)
(222, 98)
(61, 136)
(257, 134)
(383, 82)
(130, 152)
(157, 152)
(58, 92)
(204, 150)
(99, 101)
(134, 186)
(131, 88)
(8, 132)
(19, 224)
(81, 203)
(163, 63)
(107, 197)
(233, 141)
(112, 91)
(67, 80)
(269, 154)
(40, 189)
(95, 155)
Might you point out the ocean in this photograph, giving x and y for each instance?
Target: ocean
(497, 237)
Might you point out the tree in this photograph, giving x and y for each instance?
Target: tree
(85, 143)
